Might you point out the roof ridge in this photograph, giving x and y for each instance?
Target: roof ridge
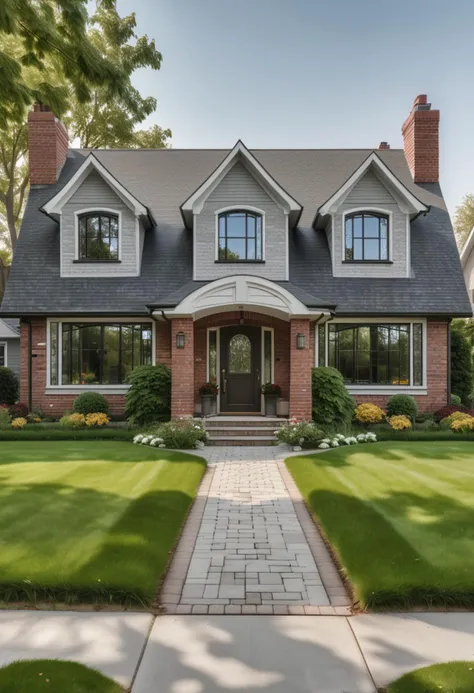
(224, 149)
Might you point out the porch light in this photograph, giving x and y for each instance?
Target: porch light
(180, 340)
(300, 340)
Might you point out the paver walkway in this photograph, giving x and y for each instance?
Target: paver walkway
(250, 554)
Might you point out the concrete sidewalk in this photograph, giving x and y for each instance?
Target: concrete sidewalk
(216, 654)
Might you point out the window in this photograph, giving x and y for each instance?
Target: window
(240, 237)
(375, 354)
(212, 356)
(366, 237)
(3, 355)
(94, 354)
(98, 237)
(267, 356)
(240, 354)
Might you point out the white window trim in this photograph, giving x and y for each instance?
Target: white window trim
(98, 210)
(104, 389)
(378, 210)
(5, 353)
(380, 389)
(241, 208)
(217, 330)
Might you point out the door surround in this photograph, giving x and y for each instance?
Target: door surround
(217, 330)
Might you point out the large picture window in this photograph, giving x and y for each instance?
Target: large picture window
(366, 237)
(374, 354)
(98, 236)
(240, 237)
(94, 353)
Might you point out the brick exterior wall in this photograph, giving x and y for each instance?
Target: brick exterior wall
(421, 141)
(182, 368)
(47, 145)
(301, 363)
(281, 346)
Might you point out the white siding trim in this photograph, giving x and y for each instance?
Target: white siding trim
(366, 208)
(242, 208)
(287, 232)
(194, 246)
(96, 210)
(408, 249)
(5, 352)
(262, 365)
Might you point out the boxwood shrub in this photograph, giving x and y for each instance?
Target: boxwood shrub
(333, 407)
(402, 405)
(91, 403)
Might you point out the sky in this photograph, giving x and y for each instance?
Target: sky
(312, 74)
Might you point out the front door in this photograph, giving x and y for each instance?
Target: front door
(240, 369)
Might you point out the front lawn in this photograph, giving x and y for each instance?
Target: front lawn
(90, 521)
(452, 677)
(54, 676)
(399, 517)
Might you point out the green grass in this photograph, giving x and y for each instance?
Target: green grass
(55, 677)
(90, 521)
(453, 677)
(399, 517)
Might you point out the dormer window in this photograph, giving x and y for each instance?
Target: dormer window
(366, 237)
(240, 237)
(98, 237)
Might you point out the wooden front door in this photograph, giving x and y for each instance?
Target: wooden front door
(240, 369)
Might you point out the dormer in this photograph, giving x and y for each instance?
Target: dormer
(367, 221)
(101, 224)
(241, 218)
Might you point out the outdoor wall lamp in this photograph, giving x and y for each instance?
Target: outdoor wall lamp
(300, 340)
(180, 340)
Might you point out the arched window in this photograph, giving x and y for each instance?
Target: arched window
(98, 236)
(240, 237)
(366, 237)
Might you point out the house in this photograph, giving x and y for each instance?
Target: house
(240, 266)
(467, 264)
(10, 344)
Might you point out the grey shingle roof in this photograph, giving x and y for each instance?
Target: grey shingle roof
(163, 179)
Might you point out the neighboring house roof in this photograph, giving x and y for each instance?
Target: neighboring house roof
(9, 328)
(163, 179)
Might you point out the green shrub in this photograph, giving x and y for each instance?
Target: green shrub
(402, 405)
(8, 386)
(149, 396)
(5, 418)
(461, 362)
(40, 432)
(333, 407)
(73, 421)
(455, 399)
(303, 433)
(91, 403)
(181, 434)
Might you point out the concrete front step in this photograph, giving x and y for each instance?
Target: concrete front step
(243, 422)
(241, 440)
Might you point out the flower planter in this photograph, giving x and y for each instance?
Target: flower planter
(271, 405)
(208, 405)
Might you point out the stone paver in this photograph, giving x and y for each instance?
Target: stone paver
(250, 548)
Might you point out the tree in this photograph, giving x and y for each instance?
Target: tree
(100, 115)
(461, 362)
(464, 219)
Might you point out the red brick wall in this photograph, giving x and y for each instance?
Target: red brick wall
(281, 345)
(301, 363)
(47, 144)
(421, 142)
(182, 367)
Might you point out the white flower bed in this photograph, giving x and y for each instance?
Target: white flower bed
(339, 439)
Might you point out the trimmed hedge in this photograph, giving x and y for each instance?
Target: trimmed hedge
(91, 403)
(423, 436)
(38, 432)
(402, 405)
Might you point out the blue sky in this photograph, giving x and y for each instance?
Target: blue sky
(312, 73)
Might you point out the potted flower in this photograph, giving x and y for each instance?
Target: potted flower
(271, 393)
(208, 393)
(88, 378)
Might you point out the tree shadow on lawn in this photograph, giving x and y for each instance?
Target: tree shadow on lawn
(383, 566)
(129, 541)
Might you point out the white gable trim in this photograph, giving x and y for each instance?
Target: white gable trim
(56, 203)
(242, 293)
(372, 160)
(466, 249)
(194, 203)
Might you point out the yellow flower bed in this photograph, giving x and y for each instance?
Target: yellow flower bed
(20, 422)
(465, 423)
(400, 422)
(98, 419)
(368, 413)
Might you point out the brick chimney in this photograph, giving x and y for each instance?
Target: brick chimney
(384, 145)
(421, 141)
(47, 144)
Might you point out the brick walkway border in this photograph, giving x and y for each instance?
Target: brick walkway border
(176, 576)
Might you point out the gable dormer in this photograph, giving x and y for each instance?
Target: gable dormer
(101, 225)
(367, 222)
(241, 218)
